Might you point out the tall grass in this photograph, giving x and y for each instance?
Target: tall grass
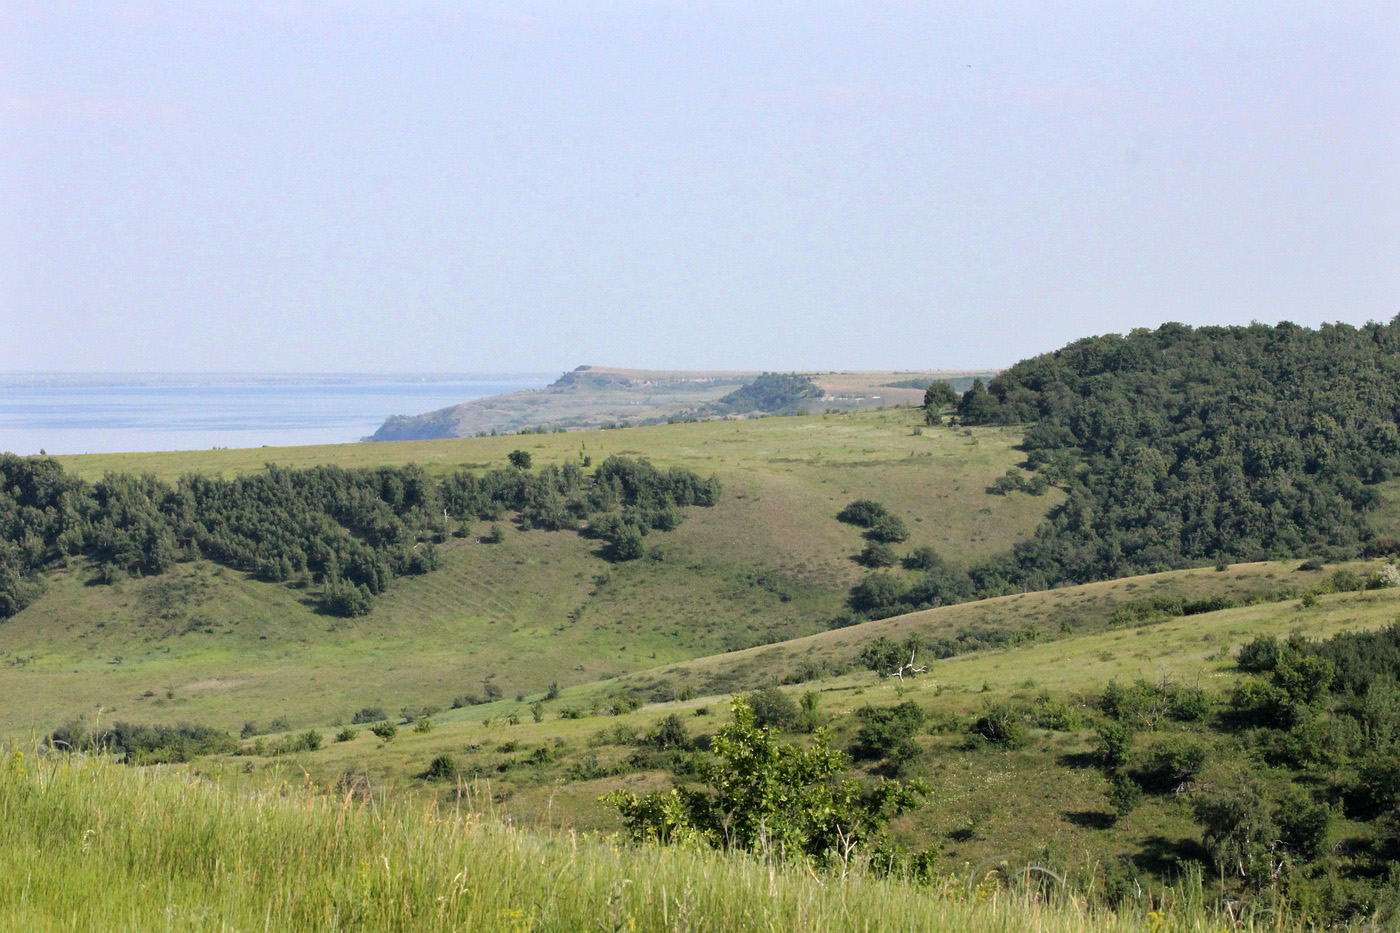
(90, 845)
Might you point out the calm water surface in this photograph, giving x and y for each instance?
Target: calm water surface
(94, 414)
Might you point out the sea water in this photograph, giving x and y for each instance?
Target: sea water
(73, 414)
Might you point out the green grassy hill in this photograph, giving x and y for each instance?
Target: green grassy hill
(993, 810)
(769, 562)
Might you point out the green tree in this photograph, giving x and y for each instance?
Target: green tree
(781, 801)
(877, 555)
(520, 459)
(1238, 827)
(939, 395)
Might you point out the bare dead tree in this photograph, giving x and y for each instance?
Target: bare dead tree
(909, 668)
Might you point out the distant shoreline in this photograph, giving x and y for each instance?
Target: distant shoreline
(43, 379)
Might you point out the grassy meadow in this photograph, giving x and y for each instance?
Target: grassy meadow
(1039, 801)
(88, 845)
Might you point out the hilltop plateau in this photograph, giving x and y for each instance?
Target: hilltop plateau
(592, 397)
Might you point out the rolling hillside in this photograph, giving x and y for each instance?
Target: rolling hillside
(768, 562)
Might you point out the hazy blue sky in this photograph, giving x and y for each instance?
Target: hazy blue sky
(485, 186)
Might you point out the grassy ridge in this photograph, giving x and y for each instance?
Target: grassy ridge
(987, 803)
(86, 845)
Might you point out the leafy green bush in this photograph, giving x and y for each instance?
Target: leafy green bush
(888, 732)
(442, 768)
(670, 732)
(385, 730)
(922, 557)
(1114, 748)
(1168, 763)
(999, 725)
(863, 512)
(887, 529)
(877, 555)
(1261, 654)
(1058, 715)
(877, 591)
(140, 744)
(780, 800)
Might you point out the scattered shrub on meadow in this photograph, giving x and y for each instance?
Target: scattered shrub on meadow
(998, 725)
(773, 709)
(442, 768)
(862, 512)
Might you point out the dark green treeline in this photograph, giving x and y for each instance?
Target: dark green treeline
(1180, 447)
(348, 533)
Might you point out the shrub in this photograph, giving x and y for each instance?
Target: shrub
(385, 730)
(1114, 748)
(877, 555)
(1055, 714)
(1169, 763)
(423, 725)
(888, 529)
(1000, 726)
(442, 768)
(773, 709)
(625, 543)
(346, 735)
(888, 732)
(877, 591)
(1189, 704)
(862, 512)
(670, 732)
(142, 744)
(758, 796)
(1259, 655)
(369, 714)
(922, 558)
(1124, 794)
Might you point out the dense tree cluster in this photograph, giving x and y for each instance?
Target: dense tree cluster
(1179, 446)
(771, 392)
(349, 532)
(142, 744)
